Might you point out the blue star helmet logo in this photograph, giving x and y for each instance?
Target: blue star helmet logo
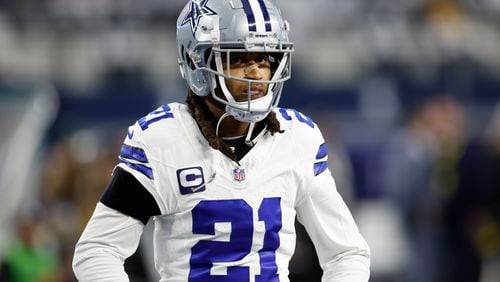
(197, 10)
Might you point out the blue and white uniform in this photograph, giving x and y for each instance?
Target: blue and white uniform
(219, 220)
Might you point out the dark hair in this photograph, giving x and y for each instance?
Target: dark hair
(199, 111)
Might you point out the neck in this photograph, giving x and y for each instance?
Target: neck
(229, 126)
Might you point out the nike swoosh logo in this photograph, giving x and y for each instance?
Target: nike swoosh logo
(194, 189)
(130, 134)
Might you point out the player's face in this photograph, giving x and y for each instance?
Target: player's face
(254, 66)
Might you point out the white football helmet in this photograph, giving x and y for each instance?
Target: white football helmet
(208, 31)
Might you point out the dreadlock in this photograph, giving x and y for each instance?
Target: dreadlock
(199, 111)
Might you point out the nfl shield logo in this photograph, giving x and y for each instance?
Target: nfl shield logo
(239, 174)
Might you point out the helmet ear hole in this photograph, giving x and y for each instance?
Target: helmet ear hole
(189, 62)
(183, 53)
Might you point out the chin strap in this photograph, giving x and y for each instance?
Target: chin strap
(249, 142)
(225, 115)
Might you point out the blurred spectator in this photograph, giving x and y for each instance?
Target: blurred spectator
(75, 173)
(26, 112)
(27, 258)
(473, 214)
(420, 174)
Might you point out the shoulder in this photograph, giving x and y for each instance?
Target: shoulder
(160, 126)
(307, 138)
(166, 116)
(298, 125)
(154, 144)
(163, 132)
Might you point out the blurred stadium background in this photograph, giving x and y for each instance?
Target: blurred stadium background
(406, 93)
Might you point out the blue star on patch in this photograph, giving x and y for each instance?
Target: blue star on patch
(197, 9)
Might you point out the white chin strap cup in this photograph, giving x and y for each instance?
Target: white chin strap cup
(245, 116)
(257, 111)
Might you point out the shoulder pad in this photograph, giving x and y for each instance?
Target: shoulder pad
(295, 117)
(163, 112)
(308, 136)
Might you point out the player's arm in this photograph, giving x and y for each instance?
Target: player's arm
(343, 253)
(109, 238)
(114, 230)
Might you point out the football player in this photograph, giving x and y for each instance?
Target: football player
(225, 176)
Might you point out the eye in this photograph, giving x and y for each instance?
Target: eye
(236, 60)
(262, 59)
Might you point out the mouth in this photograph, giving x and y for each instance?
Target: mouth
(255, 93)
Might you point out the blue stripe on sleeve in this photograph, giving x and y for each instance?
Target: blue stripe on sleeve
(322, 152)
(265, 12)
(147, 171)
(320, 167)
(136, 154)
(250, 16)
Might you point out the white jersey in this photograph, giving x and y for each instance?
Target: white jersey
(223, 220)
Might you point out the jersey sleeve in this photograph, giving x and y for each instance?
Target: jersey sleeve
(138, 160)
(108, 239)
(342, 251)
(128, 196)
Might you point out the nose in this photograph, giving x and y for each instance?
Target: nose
(253, 71)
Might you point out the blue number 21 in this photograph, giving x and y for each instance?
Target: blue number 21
(239, 214)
